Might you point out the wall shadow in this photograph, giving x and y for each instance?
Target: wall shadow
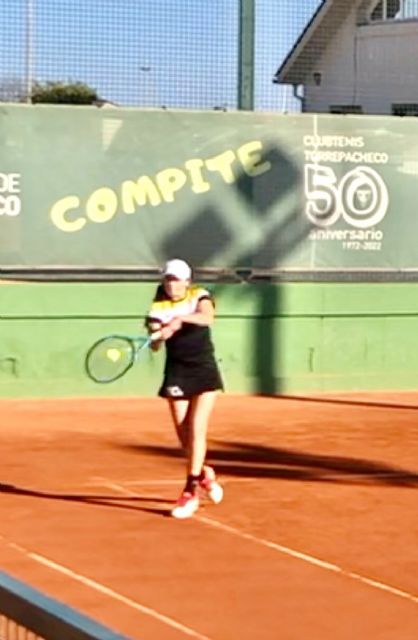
(348, 402)
(242, 459)
(190, 242)
(279, 187)
(275, 201)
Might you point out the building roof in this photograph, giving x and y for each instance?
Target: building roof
(315, 37)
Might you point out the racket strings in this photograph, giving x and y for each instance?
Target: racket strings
(110, 358)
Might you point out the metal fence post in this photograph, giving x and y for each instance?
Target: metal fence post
(246, 55)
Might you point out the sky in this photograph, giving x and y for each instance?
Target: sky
(174, 53)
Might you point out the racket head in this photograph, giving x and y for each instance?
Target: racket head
(111, 357)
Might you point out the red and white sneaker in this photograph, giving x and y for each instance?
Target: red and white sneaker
(211, 486)
(186, 505)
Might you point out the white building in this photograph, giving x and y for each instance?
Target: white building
(357, 56)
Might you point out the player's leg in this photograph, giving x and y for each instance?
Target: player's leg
(180, 411)
(199, 413)
(201, 410)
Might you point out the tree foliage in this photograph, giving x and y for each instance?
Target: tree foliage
(63, 93)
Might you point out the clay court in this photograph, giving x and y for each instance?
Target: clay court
(316, 538)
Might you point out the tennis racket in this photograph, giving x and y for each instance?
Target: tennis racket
(111, 357)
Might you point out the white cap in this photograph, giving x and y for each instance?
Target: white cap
(178, 269)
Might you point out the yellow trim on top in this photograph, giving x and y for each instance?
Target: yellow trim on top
(193, 292)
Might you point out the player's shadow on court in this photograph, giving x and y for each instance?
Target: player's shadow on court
(241, 459)
(114, 502)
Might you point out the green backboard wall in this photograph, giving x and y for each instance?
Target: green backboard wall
(270, 338)
(83, 188)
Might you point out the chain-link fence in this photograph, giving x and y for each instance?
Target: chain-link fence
(148, 53)
(338, 56)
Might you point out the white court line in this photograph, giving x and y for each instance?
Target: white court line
(179, 481)
(328, 566)
(98, 481)
(104, 482)
(121, 489)
(307, 558)
(97, 586)
(367, 477)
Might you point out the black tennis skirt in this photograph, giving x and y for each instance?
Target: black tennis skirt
(188, 380)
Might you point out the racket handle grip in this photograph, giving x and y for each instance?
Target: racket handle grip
(155, 335)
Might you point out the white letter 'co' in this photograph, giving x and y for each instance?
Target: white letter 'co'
(361, 196)
(10, 205)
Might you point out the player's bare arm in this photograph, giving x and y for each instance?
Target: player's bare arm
(203, 316)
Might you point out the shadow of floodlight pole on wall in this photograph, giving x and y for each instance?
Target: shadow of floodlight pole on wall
(273, 201)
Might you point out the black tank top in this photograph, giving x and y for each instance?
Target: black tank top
(192, 344)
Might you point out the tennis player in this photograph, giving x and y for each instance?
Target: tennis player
(184, 313)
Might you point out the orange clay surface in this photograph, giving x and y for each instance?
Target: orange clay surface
(317, 538)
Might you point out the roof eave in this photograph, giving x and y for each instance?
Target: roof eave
(284, 74)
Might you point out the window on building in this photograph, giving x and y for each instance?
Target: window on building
(405, 109)
(394, 10)
(345, 108)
